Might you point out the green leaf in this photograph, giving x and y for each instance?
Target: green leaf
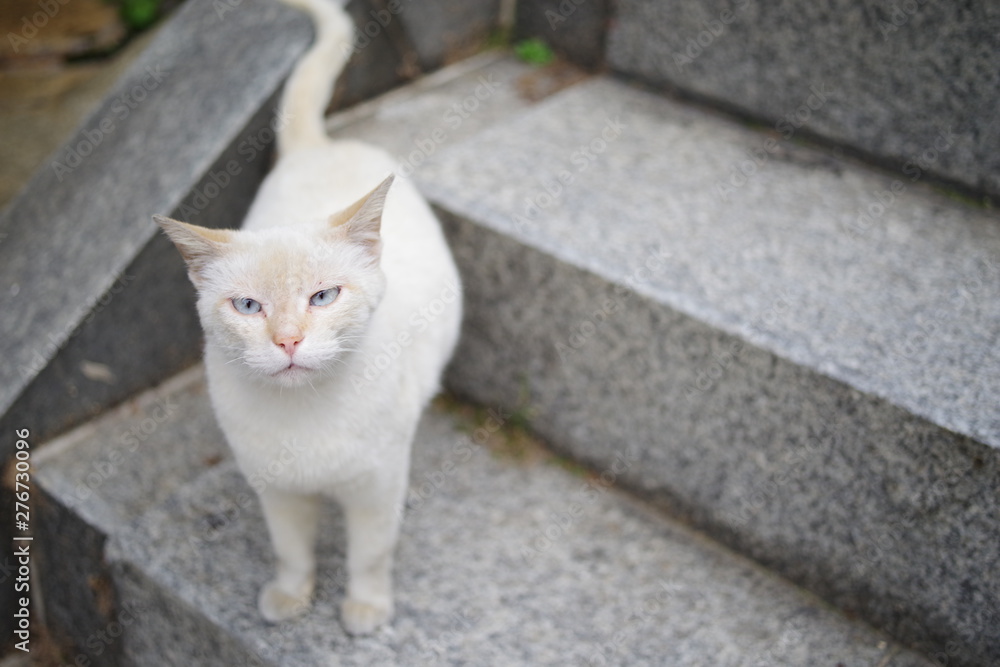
(139, 14)
(534, 51)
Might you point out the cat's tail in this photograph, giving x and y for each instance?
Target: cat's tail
(308, 89)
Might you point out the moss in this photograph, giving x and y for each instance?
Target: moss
(506, 434)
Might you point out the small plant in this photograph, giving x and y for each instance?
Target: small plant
(534, 51)
(140, 14)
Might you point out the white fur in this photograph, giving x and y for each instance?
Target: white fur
(340, 421)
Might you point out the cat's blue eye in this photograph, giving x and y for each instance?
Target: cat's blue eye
(325, 297)
(246, 305)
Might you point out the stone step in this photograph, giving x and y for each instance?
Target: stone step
(79, 255)
(800, 350)
(896, 75)
(504, 559)
(96, 305)
(187, 131)
(779, 372)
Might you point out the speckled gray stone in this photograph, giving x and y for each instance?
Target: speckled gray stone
(879, 512)
(898, 74)
(195, 146)
(398, 40)
(904, 304)
(152, 145)
(878, 509)
(92, 308)
(376, 65)
(819, 392)
(155, 293)
(441, 109)
(96, 479)
(499, 563)
(444, 30)
(574, 28)
(152, 300)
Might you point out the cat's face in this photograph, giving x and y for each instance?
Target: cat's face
(286, 304)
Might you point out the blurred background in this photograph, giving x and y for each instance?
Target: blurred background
(55, 69)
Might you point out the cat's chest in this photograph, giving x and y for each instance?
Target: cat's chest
(306, 446)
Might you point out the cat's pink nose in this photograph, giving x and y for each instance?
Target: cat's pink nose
(288, 343)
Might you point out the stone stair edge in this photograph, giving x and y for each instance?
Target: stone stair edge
(165, 51)
(177, 601)
(444, 196)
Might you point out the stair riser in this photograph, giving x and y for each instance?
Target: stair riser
(837, 490)
(166, 631)
(897, 73)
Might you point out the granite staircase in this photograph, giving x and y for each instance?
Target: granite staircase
(768, 371)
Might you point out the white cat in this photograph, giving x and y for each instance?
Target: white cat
(322, 280)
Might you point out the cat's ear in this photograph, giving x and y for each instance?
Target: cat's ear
(361, 222)
(197, 245)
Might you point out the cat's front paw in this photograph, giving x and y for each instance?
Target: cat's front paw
(278, 605)
(362, 618)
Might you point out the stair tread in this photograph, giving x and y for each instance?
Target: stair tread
(135, 455)
(501, 562)
(483, 168)
(904, 305)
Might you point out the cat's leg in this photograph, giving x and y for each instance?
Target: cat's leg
(373, 513)
(291, 521)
